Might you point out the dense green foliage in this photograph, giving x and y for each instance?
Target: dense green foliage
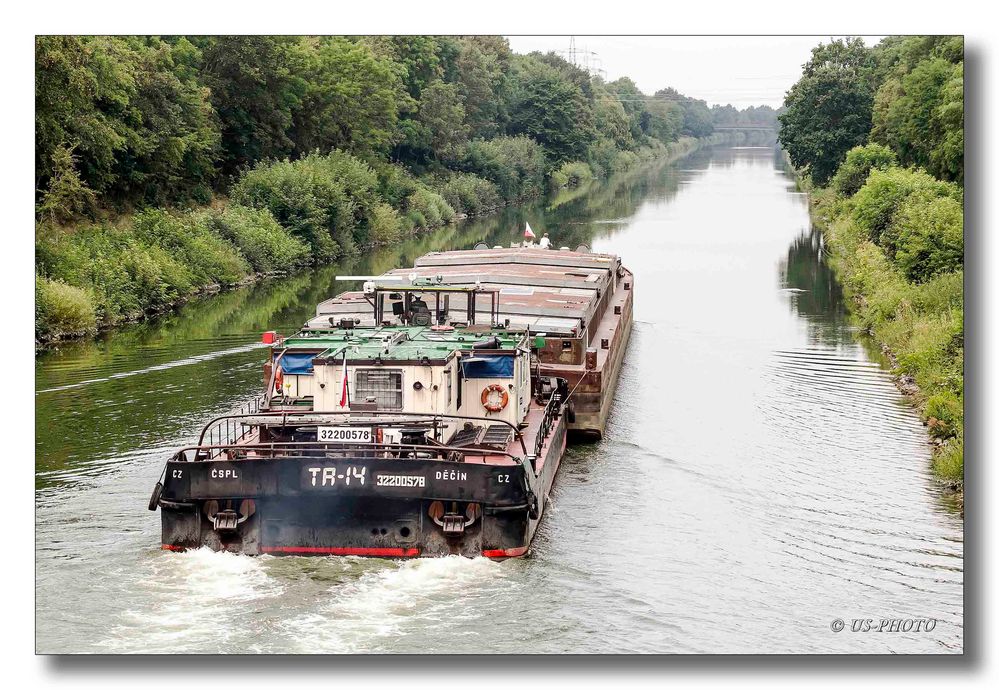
(324, 200)
(266, 245)
(128, 121)
(105, 274)
(852, 174)
(62, 309)
(906, 93)
(828, 111)
(919, 107)
(133, 113)
(884, 125)
(878, 202)
(312, 146)
(516, 165)
(571, 174)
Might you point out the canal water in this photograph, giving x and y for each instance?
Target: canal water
(760, 477)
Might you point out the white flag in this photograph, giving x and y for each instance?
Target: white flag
(528, 233)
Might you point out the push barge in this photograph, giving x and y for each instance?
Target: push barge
(423, 415)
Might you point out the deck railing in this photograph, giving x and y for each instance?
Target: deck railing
(319, 449)
(226, 429)
(232, 428)
(552, 412)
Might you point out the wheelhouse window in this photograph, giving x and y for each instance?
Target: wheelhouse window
(381, 386)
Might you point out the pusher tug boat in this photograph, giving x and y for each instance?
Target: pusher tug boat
(425, 415)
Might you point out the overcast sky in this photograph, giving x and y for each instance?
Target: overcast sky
(741, 70)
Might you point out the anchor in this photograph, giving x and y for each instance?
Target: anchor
(454, 523)
(228, 519)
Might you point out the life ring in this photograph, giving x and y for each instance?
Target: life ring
(278, 380)
(489, 400)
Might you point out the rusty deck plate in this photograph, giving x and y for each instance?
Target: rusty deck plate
(546, 290)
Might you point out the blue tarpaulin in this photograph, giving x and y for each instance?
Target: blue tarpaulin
(297, 362)
(487, 367)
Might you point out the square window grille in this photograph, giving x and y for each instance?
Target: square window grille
(383, 386)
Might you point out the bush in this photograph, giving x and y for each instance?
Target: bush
(601, 156)
(468, 193)
(188, 238)
(885, 190)
(942, 293)
(860, 160)
(948, 462)
(260, 239)
(158, 260)
(571, 174)
(395, 183)
(124, 275)
(516, 165)
(928, 236)
(386, 225)
(62, 310)
(944, 414)
(681, 147)
(624, 160)
(429, 206)
(327, 201)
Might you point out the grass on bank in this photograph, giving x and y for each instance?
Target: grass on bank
(897, 246)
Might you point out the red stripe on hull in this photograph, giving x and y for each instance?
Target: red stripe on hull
(343, 550)
(173, 547)
(505, 553)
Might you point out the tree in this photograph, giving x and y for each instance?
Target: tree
(724, 116)
(632, 101)
(67, 196)
(442, 115)
(351, 100)
(171, 150)
(131, 111)
(696, 116)
(416, 58)
(663, 120)
(828, 111)
(552, 110)
(921, 116)
(481, 77)
(256, 86)
(84, 86)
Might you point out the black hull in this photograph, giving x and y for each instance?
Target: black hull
(357, 505)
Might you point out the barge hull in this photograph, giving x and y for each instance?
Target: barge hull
(304, 506)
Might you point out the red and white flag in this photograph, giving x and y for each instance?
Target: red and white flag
(344, 390)
(528, 233)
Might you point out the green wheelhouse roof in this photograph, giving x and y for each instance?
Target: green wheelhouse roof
(395, 343)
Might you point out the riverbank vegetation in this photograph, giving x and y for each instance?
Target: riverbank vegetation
(167, 167)
(878, 131)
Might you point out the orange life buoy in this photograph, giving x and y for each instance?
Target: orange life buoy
(495, 403)
(278, 380)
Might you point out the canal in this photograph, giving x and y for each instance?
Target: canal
(761, 475)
